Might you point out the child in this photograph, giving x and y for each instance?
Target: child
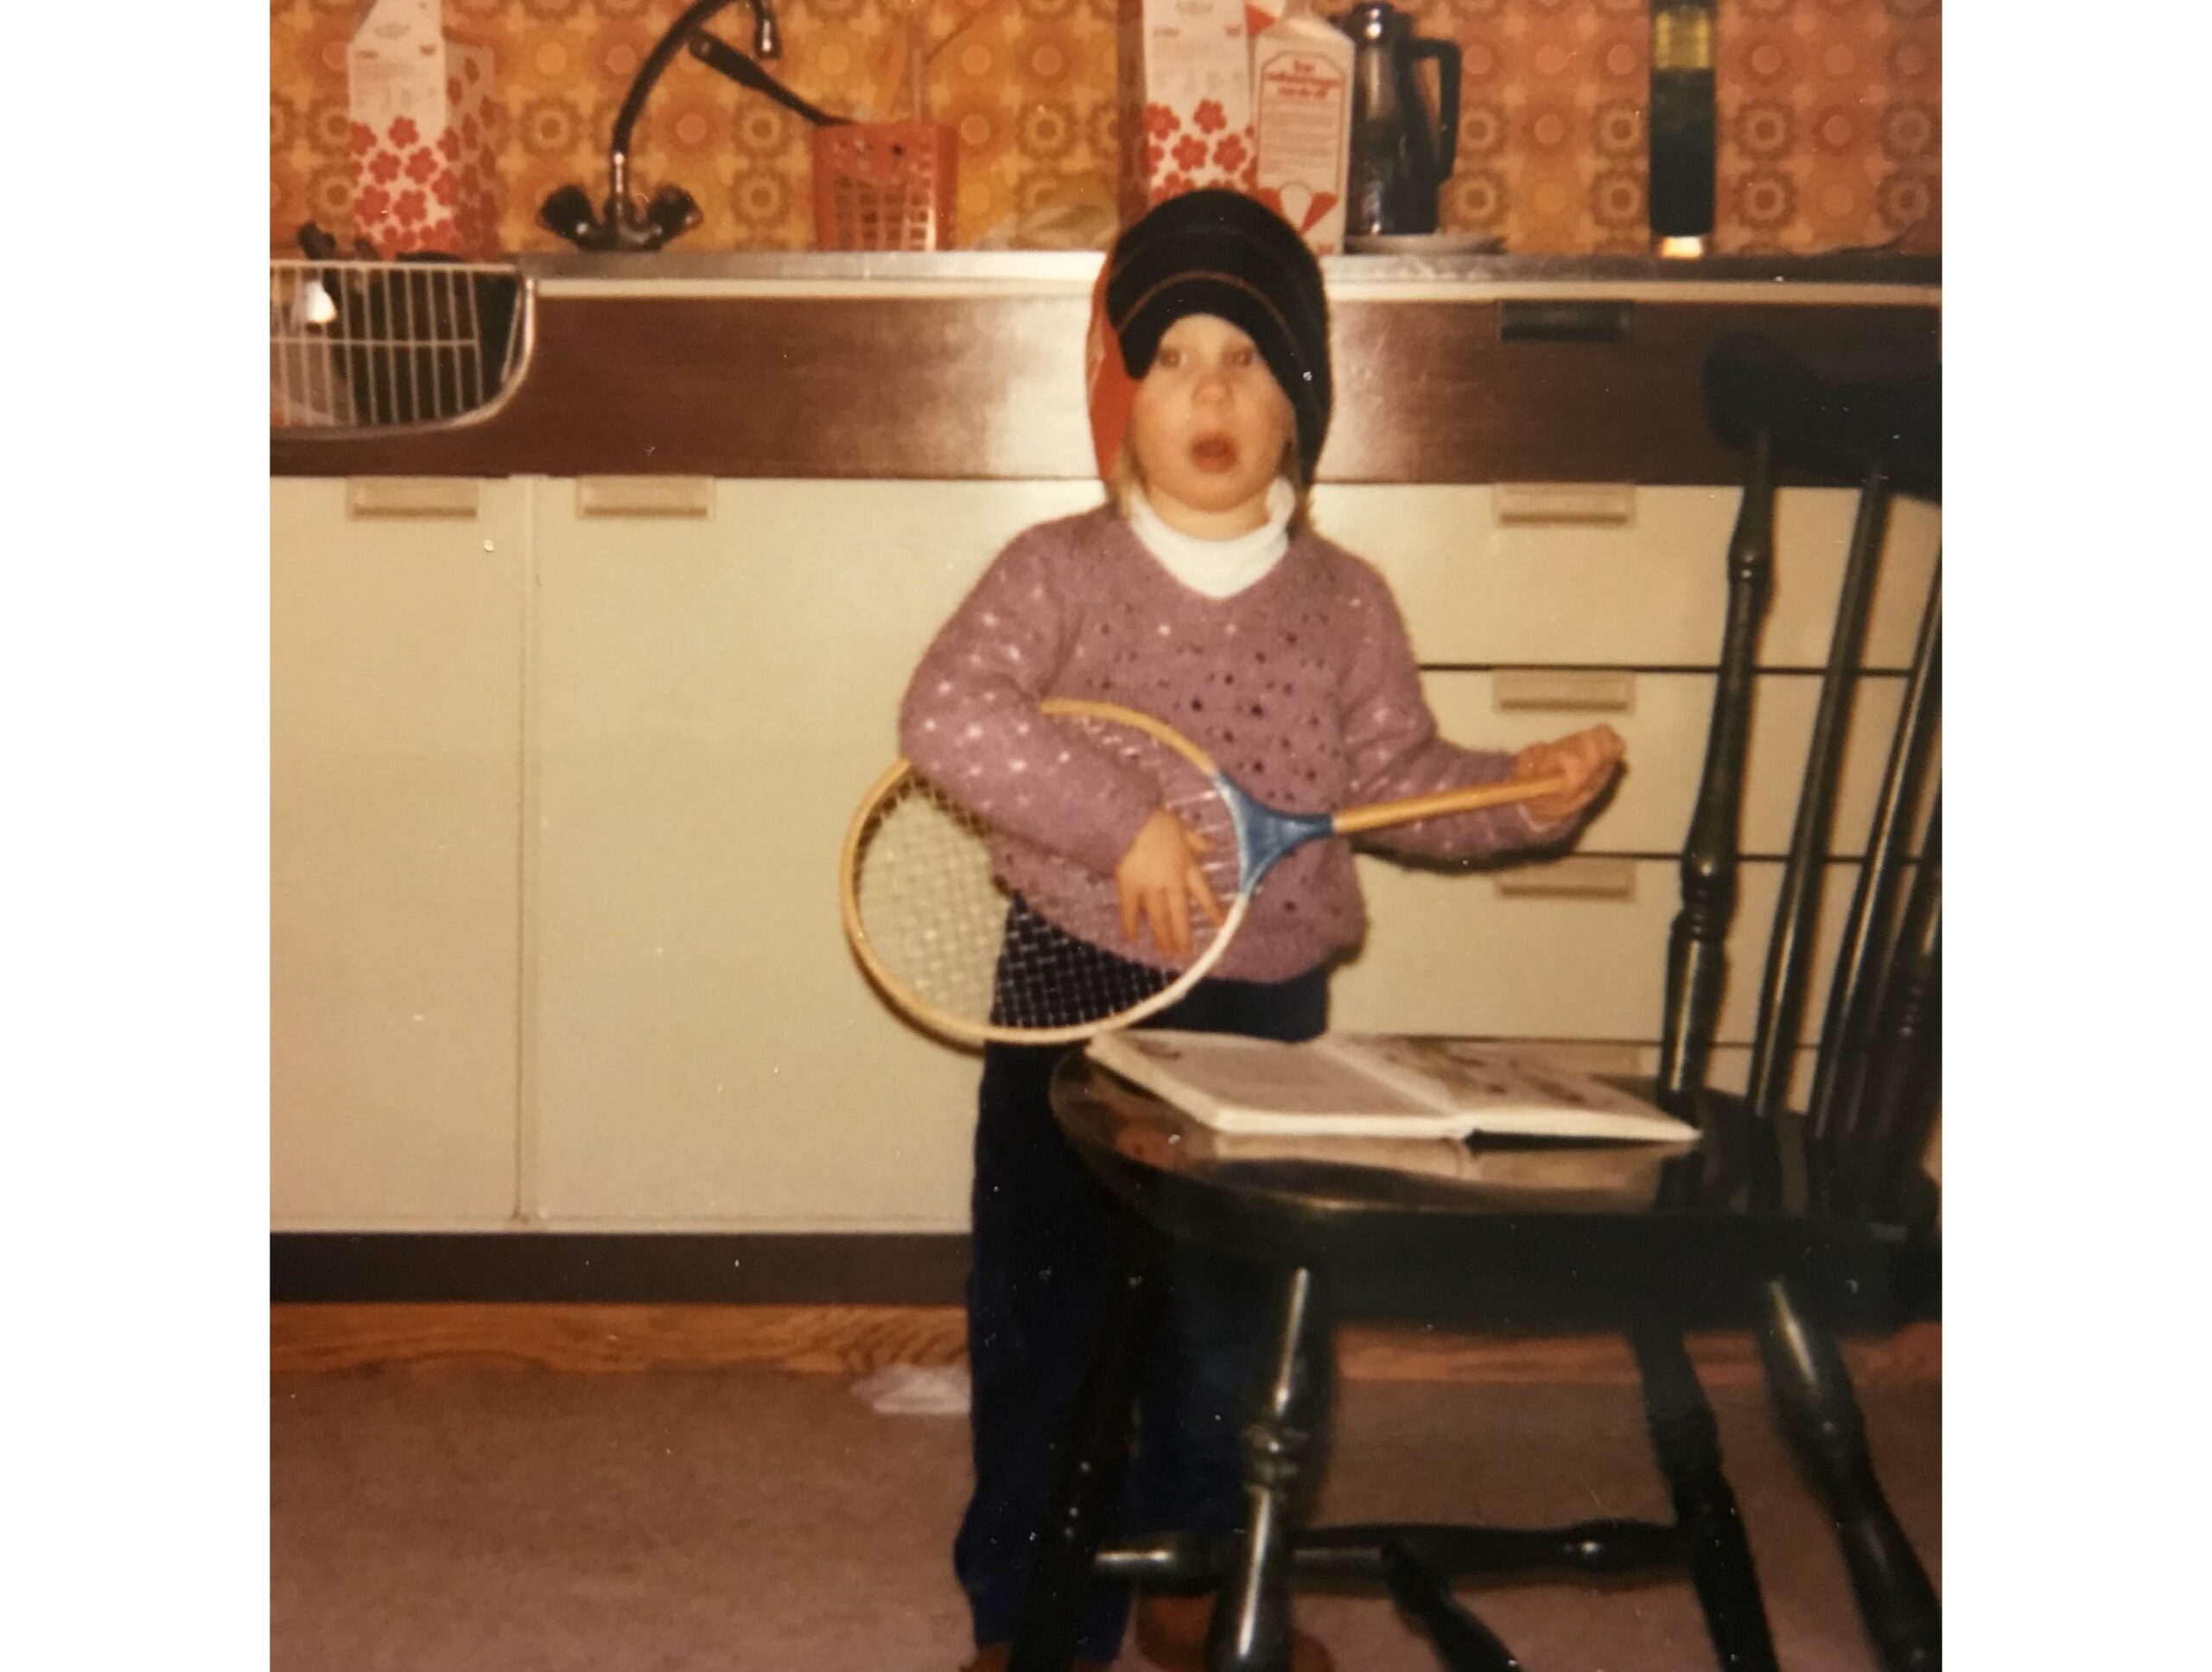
(1199, 595)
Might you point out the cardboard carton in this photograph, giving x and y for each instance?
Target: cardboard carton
(422, 159)
(1186, 100)
(1301, 98)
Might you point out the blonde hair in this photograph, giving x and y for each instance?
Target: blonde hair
(1127, 476)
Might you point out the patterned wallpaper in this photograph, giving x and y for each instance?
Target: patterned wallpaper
(1830, 114)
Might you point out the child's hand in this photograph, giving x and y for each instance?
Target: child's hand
(1587, 760)
(1158, 878)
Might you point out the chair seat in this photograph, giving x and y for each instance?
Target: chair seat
(1566, 1233)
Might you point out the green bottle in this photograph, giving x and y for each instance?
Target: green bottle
(1682, 119)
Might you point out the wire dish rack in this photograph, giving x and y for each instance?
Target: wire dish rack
(365, 344)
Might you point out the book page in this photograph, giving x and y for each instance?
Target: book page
(1505, 1088)
(1212, 1074)
(1379, 1084)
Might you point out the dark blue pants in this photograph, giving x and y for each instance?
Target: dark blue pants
(1044, 1268)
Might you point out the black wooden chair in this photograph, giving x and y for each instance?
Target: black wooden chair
(1795, 1222)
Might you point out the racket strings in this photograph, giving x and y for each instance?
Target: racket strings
(941, 925)
(930, 907)
(1046, 979)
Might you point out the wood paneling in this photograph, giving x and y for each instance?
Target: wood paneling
(990, 387)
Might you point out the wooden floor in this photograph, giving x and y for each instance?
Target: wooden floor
(855, 1340)
(458, 1501)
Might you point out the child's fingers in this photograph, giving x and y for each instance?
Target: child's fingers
(1201, 891)
(1170, 922)
(1585, 762)
(1594, 754)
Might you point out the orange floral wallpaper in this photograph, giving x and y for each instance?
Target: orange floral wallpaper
(1830, 114)
(1831, 121)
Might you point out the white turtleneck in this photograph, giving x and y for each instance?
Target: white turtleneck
(1217, 568)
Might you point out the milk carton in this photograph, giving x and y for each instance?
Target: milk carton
(1186, 99)
(422, 159)
(1259, 15)
(1301, 97)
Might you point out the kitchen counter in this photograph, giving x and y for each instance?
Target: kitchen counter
(967, 365)
(1353, 277)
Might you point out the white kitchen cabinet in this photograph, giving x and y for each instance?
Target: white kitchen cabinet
(1569, 949)
(560, 787)
(1648, 591)
(710, 697)
(1663, 718)
(396, 624)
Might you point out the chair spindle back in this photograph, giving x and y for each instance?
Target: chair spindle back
(1873, 1094)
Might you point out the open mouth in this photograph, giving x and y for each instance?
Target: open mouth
(1214, 453)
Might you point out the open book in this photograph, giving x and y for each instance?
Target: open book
(1379, 1085)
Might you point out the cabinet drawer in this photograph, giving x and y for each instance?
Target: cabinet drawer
(1664, 726)
(1648, 593)
(1450, 952)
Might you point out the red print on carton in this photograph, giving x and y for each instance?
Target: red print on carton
(1185, 98)
(416, 98)
(1301, 109)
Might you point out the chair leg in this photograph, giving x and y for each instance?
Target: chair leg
(1251, 1621)
(1463, 1641)
(1090, 1473)
(1820, 1415)
(1688, 1443)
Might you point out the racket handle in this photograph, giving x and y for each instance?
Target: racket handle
(1380, 814)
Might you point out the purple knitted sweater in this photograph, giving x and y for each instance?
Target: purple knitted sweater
(1302, 687)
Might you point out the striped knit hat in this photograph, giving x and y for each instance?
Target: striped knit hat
(1219, 252)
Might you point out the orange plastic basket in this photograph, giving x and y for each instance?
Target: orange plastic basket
(883, 185)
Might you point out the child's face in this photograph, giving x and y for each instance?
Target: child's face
(1208, 426)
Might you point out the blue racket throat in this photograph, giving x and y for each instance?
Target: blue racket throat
(1265, 834)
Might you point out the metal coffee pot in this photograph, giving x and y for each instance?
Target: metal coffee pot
(1401, 151)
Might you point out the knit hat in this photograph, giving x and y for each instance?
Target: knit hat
(1219, 252)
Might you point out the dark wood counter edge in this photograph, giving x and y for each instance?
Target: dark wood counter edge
(986, 387)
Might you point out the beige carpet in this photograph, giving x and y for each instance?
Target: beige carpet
(758, 1521)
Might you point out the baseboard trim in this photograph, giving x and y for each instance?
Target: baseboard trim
(641, 1268)
(857, 1339)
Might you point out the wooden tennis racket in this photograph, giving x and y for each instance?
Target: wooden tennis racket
(930, 920)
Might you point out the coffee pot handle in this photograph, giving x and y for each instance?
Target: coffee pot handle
(1446, 54)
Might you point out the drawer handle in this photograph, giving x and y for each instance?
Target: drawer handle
(645, 496)
(1526, 319)
(1610, 504)
(1576, 879)
(412, 496)
(1589, 691)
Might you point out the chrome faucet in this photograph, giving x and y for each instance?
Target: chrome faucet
(623, 223)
